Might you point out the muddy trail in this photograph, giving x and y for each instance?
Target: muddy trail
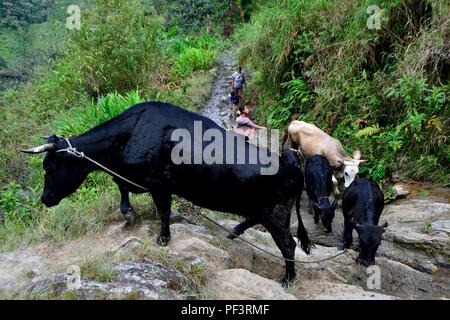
(201, 263)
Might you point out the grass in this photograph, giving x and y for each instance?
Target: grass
(98, 268)
(427, 227)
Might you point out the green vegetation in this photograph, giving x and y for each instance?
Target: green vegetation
(318, 59)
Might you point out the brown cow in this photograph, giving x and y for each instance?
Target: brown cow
(311, 140)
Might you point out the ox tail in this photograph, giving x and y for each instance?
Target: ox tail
(302, 234)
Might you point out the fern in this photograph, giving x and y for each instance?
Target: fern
(368, 131)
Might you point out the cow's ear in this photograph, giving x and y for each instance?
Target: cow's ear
(361, 162)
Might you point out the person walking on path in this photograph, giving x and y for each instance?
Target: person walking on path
(238, 82)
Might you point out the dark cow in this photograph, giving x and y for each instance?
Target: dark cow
(362, 204)
(138, 145)
(318, 175)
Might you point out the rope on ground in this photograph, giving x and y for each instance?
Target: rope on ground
(262, 249)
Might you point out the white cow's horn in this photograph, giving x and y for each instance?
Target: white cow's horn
(40, 149)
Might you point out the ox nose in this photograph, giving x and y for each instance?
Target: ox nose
(49, 201)
(327, 230)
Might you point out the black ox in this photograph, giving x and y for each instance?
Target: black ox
(137, 144)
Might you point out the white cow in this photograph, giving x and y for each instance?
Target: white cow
(310, 140)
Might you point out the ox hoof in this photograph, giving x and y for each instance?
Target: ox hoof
(163, 240)
(233, 234)
(341, 246)
(287, 280)
(130, 219)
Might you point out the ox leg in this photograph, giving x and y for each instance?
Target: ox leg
(347, 238)
(278, 226)
(125, 206)
(286, 243)
(163, 203)
(241, 227)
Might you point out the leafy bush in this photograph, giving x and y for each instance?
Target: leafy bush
(14, 205)
(92, 114)
(115, 50)
(193, 59)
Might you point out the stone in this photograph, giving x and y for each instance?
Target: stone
(441, 225)
(128, 245)
(241, 284)
(401, 189)
(131, 280)
(216, 257)
(407, 223)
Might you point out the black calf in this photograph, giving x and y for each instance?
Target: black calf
(318, 174)
(362, 204)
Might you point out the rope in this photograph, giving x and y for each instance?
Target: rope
(264, 250)
(81, 155)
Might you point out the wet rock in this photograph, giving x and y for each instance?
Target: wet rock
(401, 189)
(132, 280)
(241, 284)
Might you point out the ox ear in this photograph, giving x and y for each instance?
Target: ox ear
(357, 154)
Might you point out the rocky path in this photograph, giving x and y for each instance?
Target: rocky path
(218, 107)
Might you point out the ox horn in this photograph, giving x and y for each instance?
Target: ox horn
(40, 149)
(45, 137)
